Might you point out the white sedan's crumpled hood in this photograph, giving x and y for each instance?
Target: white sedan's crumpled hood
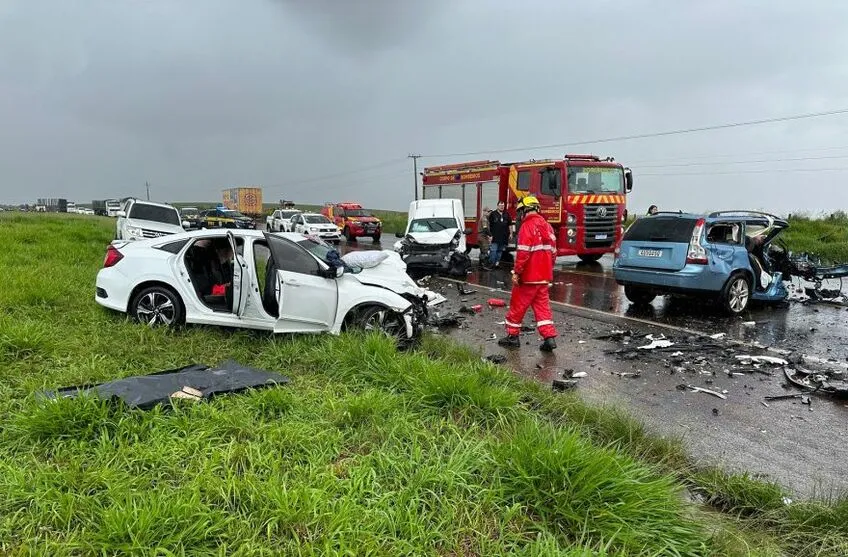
(391, 274)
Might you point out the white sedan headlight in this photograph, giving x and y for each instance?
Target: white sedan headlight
(134, 232)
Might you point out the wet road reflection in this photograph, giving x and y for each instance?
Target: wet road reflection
(820, 330)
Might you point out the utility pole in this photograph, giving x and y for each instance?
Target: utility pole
(147, 185)
(415, 172)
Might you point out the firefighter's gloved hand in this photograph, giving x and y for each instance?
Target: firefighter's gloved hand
(515, 280)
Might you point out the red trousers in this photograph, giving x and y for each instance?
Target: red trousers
(525, 296)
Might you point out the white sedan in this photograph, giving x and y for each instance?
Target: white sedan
(314, 224)
(285, 283)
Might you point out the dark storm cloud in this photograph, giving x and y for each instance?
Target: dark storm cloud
(370, 26)
(98, 96)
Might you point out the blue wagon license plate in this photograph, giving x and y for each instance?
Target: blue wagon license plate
(650, 253)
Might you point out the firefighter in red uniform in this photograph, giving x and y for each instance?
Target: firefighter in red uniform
(531, 276)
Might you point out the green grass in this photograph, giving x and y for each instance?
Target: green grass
(367, 451)
(826, 237)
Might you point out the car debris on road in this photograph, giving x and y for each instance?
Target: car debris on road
(656, 341)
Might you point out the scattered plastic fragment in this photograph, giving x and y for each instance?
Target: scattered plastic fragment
(707, 391)
(579, 375)
(747, 359)
(495, 358)
(749, 323)
(718, 336)
(496, 302)
(659, 343)
(563, 384)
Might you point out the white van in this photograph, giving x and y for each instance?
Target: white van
(434, 238)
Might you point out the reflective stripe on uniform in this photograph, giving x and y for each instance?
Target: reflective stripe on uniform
(545, 322)
(535, 248)
(508, 324)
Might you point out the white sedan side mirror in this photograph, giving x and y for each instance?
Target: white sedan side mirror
(121, 214)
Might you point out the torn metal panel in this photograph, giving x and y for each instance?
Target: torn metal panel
(147, 391)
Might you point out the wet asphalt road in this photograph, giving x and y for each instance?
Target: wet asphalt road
(802, 447)
(819, 330)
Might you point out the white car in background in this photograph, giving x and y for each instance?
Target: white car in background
(280, 220)
(313, 224)
(138, 220)
(283, 282)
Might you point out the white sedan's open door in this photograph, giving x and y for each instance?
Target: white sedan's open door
(308, 301)
(239, 272)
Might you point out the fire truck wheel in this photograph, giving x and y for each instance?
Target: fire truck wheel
(590, 258)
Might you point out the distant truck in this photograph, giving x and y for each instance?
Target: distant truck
(106, 207)
(71, 207)
(54, 204)
(353, 220)
(247, 201)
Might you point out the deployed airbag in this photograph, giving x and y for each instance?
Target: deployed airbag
(190, 382)
(365, 259)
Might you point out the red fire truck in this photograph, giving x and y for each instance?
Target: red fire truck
(582, 196)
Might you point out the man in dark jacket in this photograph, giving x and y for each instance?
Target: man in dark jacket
(500, 227)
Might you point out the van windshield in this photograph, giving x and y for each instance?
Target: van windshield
(435, 224)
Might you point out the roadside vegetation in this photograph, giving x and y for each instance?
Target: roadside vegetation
(366, 451)
(826, 237)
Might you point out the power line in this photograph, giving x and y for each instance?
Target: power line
(339, 174)
(741, 154)
(756, 171)
(756, 161)
(335, 187)
(648, 135)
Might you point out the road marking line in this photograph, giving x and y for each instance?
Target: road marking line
(648, 322)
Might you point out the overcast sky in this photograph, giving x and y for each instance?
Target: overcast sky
(98, 96)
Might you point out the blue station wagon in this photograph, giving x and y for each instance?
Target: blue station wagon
(727, 255)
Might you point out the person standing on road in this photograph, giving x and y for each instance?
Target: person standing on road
(532, 275)
(500, 227)
(483, 236)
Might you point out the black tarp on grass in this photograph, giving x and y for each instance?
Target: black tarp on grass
(146, 391)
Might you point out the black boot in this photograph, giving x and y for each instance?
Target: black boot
(548, 345)
(510, 341)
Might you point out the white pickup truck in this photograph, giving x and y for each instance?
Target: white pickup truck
(280, 220)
